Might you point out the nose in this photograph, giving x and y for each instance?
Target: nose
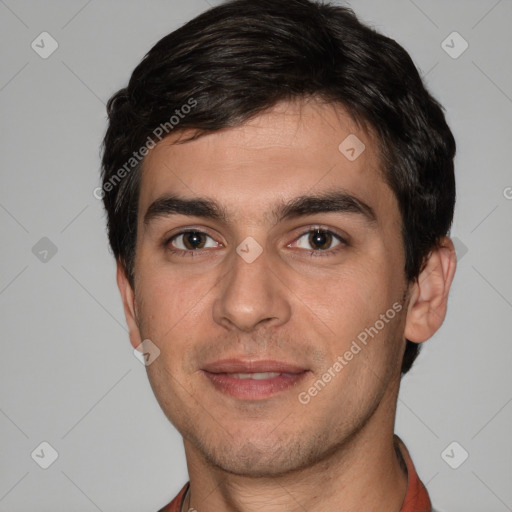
(251, 294)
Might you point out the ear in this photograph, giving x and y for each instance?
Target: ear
(429, 294)
(130, 308)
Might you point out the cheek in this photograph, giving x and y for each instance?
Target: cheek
(173, 310)
(359, 305)
(158, 305)
(352, 295)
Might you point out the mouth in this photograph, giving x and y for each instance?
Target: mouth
(253, 380)
(258, 376)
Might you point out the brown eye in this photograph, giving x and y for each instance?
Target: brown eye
(318, 240)
(191, 241)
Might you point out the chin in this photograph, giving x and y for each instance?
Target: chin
(259, 458)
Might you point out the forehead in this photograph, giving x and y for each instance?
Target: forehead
(292, 149)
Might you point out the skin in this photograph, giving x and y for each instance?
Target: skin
(336, 452)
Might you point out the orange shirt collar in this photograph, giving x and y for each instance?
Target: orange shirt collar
(416, 498)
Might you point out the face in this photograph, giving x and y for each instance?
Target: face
(266, 251)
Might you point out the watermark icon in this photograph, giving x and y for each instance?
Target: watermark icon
(137, 156)
(44, 250)
(249, 250)
(507, 192)
(454, 45)
(44, 455)
(454, 455)
(461, 248)
(341, 361)
(146, 352)
(352, 147)
(44, 45)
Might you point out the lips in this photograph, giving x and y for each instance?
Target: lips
(250, 366)
(253, 380)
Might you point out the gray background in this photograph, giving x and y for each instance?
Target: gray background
(68, 374)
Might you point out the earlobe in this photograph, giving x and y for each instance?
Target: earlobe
(429, 294)
(129, 306)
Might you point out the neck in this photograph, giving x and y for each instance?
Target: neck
(363, 473)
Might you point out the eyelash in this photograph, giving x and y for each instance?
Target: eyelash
(312, 253)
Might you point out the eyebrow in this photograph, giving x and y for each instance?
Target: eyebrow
(337, 201)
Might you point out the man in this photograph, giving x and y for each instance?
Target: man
(279, 188)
